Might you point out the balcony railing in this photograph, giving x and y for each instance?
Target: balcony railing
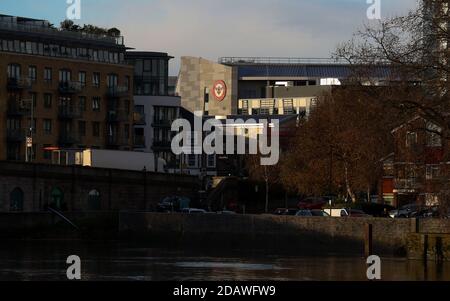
(117, 91)
(279, 60)
(17, 108)
(162, 123)
(19, 83)
(117, 116)
(60, 33)
(68, 139)
(116, 141)
(69, 87)
(69, 112)
(16, 135)
(407, 184)
(162, 144)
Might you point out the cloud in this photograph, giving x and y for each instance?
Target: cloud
(214, 28)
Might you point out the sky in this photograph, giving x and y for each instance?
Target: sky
(217, 28)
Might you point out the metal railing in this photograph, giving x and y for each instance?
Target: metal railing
(17, 108)
(161, 144)
(162, 122)
(14, 83)
(118, 116)
(118, 91)
(406, 184)
(68, 139)
(279, 60)
(70, 87)
(115, 140)
(16, 135)
(61, 33)
(69, 112)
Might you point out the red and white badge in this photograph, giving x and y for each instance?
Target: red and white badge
(220, 90)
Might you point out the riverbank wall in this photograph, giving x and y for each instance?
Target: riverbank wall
(298, 235)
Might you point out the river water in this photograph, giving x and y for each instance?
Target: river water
(40, 260)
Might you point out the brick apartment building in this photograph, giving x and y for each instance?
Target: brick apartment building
(417, 171)
(61, 89)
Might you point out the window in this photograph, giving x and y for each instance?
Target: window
(211, 161)
(47, 126)
(33, 97)
(48, 74)
(96, 80)
(82, 128)
(96, 104)
(411, 139)
(112, 80)
(82, 78)
(434, 138)
(192, 160)
(96, 129)
(433, 172)
(82, 103)
(47, 101)
(147, 65)
(14, 71)
(127, 83)
(64, 75)
(32, 73)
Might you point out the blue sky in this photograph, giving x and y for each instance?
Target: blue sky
(215, 28)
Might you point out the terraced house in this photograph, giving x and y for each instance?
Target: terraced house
(61, 89)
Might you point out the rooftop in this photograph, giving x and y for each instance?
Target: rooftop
(147, 54)
(278, 61)
(21, 25)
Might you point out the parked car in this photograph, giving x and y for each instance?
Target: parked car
(304, 213)
(430, 212)
(319, 213)
(286, 211)
(193, 211)
(227, 212)
(345, 212)
(405, 211)
(312, 203)
(173, 204)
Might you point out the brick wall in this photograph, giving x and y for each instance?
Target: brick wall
(119, 190)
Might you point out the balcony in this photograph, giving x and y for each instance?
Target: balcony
(69, 112)
(139, 141)
(162, 145)
(411, 185)
(162, 123)
(69, 87)
(117, 92)
(16, 135)
(116, 141)
(17, 109)
(56, 33)
(68, 139)
(114, 116)
(18, 84)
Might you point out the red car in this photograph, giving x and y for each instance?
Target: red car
(312, 203)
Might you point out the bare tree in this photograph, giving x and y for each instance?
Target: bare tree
(339, 146)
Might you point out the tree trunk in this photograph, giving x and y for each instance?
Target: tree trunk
(267, 196)
(347, 183)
